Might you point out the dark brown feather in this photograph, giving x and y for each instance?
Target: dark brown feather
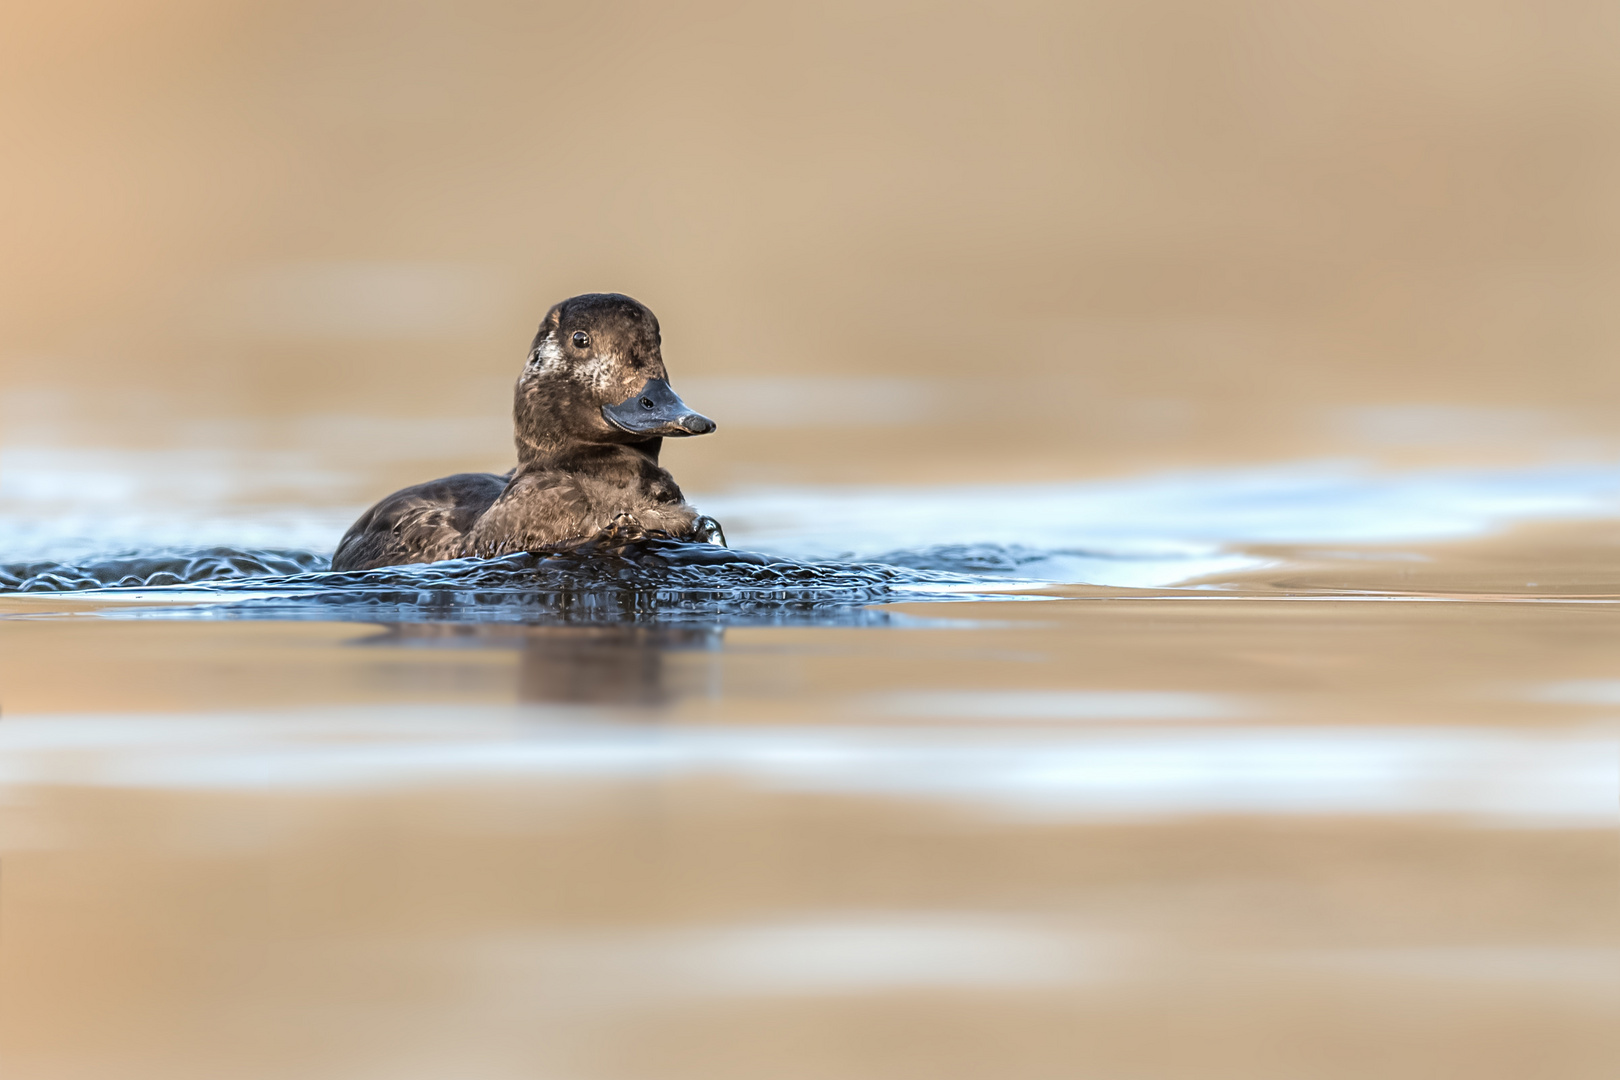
(424, 523)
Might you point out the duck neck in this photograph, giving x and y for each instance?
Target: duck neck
(541, 456)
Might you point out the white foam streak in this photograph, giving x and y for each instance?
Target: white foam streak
(1507, 777)
(1168, 517)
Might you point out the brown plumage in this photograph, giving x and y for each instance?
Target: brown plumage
(591, 410)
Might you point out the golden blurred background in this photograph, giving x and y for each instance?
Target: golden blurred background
(1034, 239)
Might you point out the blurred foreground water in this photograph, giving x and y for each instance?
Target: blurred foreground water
(1304, 769)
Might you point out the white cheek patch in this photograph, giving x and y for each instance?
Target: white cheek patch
(600, 373)
(547, 357)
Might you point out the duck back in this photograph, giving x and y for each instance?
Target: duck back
(424, 523)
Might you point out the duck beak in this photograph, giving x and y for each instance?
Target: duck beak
(655, 409)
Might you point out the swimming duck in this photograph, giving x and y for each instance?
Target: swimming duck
(591, 411)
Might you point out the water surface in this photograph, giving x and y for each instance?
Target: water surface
(1307, 747)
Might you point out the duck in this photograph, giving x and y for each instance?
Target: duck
(590, 412)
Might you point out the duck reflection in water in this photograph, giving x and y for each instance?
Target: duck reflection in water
(584, 665)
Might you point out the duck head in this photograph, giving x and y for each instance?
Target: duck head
(595, 375)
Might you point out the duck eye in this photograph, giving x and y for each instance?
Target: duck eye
(581, 339)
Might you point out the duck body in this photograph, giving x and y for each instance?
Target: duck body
(591, 411)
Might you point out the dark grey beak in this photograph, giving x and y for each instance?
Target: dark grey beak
(655, 409)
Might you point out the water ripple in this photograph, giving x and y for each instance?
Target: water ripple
(155, 569)
(648, 579)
